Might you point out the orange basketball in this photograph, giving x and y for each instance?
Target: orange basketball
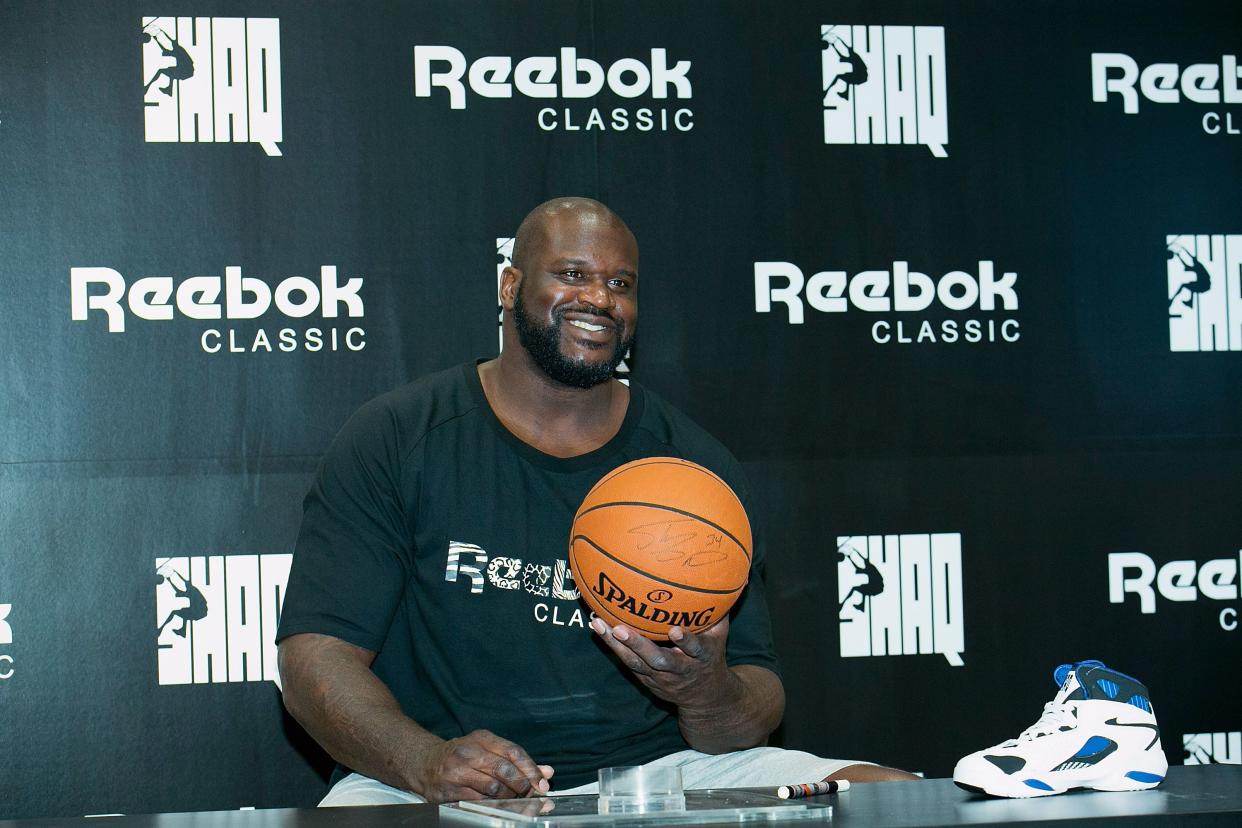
(660, 542)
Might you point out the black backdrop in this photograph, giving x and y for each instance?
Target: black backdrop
(132, 461)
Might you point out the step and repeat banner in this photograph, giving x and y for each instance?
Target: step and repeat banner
(960, 283)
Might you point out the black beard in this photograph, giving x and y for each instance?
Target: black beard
(544, 346)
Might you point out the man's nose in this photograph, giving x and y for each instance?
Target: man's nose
(597, 294)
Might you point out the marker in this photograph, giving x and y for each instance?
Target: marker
(830, 786)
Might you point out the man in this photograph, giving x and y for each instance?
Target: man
(419, 641)
(182, 67)
(854, 75)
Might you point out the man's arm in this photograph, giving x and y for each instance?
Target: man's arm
(330, 689)
(719, 708)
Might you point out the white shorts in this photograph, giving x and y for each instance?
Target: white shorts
(759, 767)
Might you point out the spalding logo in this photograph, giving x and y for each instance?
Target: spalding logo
(613, 594)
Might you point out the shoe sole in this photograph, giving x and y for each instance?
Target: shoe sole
(1011, 788)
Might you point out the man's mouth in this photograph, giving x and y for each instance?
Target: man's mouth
(587, 326)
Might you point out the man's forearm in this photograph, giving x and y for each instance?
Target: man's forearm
(741, 714)
(349, 711)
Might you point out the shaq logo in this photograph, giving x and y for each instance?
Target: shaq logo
(216, 617)
(471, 562)
(1134, 573)
(504, 258)
(1210, 84)
(1212, 748)
(245, 297)
(496, 76)
(885, 85)
(6, 638)
(212, 79)
(901, 595)
(1205, 292)
(898, 291)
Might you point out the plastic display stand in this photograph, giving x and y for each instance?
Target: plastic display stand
(701, 807)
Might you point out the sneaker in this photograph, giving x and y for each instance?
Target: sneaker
(1099, 732)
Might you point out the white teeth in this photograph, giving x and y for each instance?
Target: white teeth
(586, 326)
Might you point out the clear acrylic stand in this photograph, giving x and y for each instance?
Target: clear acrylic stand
(701, 807)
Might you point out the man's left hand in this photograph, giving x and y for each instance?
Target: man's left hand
(690, 673)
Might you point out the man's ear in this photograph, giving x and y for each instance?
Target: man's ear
(510, 282)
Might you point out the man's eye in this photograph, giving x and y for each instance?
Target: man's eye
(571, 274)
(620, 283)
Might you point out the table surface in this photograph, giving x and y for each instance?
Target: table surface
(1210, 794)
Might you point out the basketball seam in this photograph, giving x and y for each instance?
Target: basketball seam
(699, 518)
(671, 461)
(657, 578)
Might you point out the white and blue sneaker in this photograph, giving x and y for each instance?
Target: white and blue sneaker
(1099, 732)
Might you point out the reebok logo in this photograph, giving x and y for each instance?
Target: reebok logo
(901, 595)
(1211, 84)
(567, 77)
(1182, 581)
(885, 85)
(159, 298)
(212, 80)
(471, 562)
(899, 290)
(216, 617)
(536, 77)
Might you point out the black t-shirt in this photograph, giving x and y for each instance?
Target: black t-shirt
(436, 538)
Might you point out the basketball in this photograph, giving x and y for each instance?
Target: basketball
(660, 542)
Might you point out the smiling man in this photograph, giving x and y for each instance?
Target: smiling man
(568, 235)
(432, 639)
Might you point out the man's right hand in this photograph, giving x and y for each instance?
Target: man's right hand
(330, 689)
(480, 765)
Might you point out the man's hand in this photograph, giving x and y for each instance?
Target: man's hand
(480, 765)
(719, 708)
(330, 689)
(690, 674)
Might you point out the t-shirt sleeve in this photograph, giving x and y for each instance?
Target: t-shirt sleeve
(352, 556)
(750, 625)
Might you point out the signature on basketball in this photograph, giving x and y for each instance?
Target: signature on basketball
(680, 539)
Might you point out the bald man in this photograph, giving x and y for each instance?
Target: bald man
(432, 639)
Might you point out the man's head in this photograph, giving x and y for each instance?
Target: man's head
(572, 291)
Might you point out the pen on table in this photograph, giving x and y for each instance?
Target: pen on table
(828, 786)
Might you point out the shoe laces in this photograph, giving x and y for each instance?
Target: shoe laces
(1056, 716)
